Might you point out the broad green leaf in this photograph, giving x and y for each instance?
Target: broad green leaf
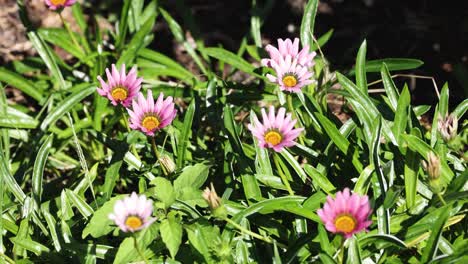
(192, 176)
(307, 23)
(361, 79)
(67, 104)
(171, 232)
(164, 191)
(127, 252)
(100, 224)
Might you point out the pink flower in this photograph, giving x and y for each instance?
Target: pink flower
(59, 4)
(148, 116)
(288, 48)
(276, 132)
(133, 213)
(347, 214)
(120, 87)
(290, 75)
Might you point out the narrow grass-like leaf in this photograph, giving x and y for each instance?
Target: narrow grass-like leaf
(354, 252)
(60, 37)
(393, 64)
(79, 203)
(52, 227)
(294, 164)
(401, 115)
(361, 79)
(320, 179)
(123, 25)
(30, 245)
(443, 101)
(66, 106)
(48, 57)
(163, 59)
(461, 109)
(307, 23)
(411, 177)
(389, 86)
(375, 238)
(322, 40)
(230, 58)
(38, 169)
(21, 83)
(185, 134)
(430, 251)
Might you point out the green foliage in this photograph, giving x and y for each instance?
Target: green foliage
(67, 155)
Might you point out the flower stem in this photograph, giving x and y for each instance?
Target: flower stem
(135, 244)
(125, 119)
(70, 32)
(248, 232)
(441, 198)
(293, 113)
(281, 173)
(341, 252)
(155, 149)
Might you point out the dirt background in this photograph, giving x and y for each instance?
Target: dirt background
(433, 31)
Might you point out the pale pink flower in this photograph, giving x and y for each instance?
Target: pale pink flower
(288, 48)
(59, 4)
(290, 76)
(148, 116)
(275, 132)
(120, 87)
(133, 213)
(347, 214)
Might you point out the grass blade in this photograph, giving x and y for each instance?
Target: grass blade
(38, 169)
(186, 131)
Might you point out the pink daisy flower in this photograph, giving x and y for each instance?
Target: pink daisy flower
(276, 132)
(347, 214)
(290, 75)
(59, 4)
(148, 116)
(288, 48)
(133, 213)
(120, 87)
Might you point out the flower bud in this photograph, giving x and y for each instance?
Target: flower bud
(448, 127)
(214, 201)
(432, 167)
(167, 163)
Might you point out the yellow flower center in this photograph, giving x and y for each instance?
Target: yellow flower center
(58, 2)
(119, 93)
(150, 122)
(290, 81)
(273, 137)
(133, 222)
(345, 223)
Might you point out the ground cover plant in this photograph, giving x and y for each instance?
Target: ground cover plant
(122, 155)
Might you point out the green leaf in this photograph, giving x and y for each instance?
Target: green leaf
(354, 252)
(361, 79)
(430, 251)
(67, 104)
(51, 224)
(443, 101)
(185, 134)
(164, 191)
(192, 176)
(60, 38)
(230, 58)
(38, 169)
(322, 40)
(389, 86)
(17, 119)
(393, 64)
(21, 83)
(307, 23)
(28, 244)
(100, 224)
(79, 203)
(370, 239)
(171, 232)
(123, 25)
(294, 164)
(127, 253)
(48, 57)
(460, 110)
(401, 115)
(163, 59)
(142, 38)
(320, 179)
